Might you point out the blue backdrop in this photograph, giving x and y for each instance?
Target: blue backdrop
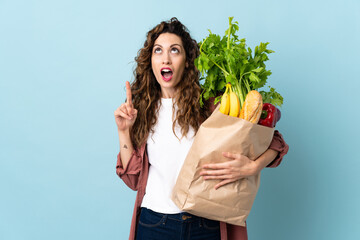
(63, 67)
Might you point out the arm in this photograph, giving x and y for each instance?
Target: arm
(275, 153)
(126, 147)
(265, 159)
(240, 166)
(278, 144)
(125, 117)
(130, 173)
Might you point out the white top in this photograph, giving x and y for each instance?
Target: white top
(166, 156)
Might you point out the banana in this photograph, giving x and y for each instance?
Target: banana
(234, 104)
(225, 101)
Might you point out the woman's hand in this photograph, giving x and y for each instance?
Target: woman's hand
(126, 114)
(236, 168)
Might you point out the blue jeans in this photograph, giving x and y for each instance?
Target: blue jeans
(182, 226)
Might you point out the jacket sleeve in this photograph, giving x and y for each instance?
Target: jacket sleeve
(279, 145)
(131, 173)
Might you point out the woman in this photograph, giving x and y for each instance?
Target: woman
(156, 127)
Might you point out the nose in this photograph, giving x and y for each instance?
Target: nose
(166, 59)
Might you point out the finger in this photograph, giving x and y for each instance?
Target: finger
(119, 108)
(231, 155)
(124, 108)
(222, 177)
(216, 165)
(129, 110)
(116, 112)
(124, 114)
(134, 112)
(214, 172)
(128, 93)
(224, 182)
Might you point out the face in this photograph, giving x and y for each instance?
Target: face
(168, 62)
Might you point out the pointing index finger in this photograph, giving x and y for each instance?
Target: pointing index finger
(128, 93)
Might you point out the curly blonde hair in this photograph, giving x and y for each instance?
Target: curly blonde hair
(146, 91)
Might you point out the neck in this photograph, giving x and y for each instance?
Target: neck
(168, 94)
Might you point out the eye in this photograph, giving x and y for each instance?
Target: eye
(175, 50)
(157, 50)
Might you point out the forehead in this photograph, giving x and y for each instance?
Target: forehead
(168, 39)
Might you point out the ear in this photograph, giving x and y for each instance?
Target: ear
(186, 65)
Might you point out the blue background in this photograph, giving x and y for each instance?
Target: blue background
(63, 67)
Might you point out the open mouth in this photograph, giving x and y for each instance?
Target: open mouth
(166, 74)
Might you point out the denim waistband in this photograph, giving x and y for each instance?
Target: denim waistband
(184, 216)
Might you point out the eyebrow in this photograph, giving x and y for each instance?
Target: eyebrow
(170, 45)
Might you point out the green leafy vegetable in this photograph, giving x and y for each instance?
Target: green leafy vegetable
(272, 97)
(228, 59)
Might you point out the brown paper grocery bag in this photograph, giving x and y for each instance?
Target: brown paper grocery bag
(230, 203)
